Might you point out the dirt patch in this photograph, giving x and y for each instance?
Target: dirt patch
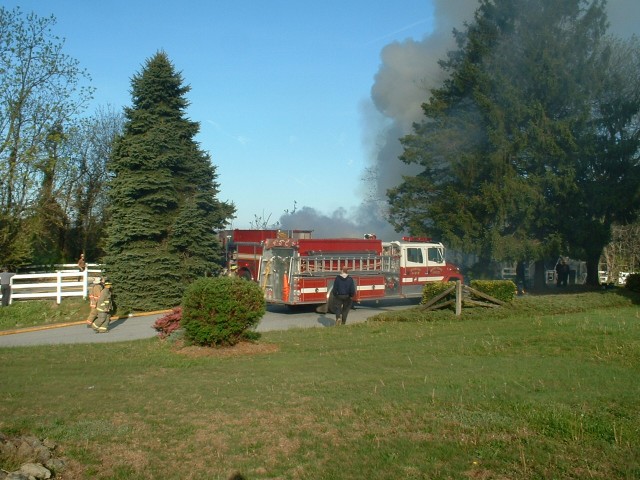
(242, 348)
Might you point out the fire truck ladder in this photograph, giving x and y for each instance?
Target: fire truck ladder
(266, 274)
(321, 265)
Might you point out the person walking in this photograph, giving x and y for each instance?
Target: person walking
(104, 305)
(562, 272)
(94, 295)
(559, 272)
(565, 273)
(5, 286)
(344, 289)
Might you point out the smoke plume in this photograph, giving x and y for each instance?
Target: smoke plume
(408, 71)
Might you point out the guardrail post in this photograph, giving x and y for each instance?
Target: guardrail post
(59, 288)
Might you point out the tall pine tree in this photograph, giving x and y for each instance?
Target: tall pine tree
(524, 143)
(163, 207)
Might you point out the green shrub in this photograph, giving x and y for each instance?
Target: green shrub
(503, 290)
(433, 289)
(220, 311)
(633, 282)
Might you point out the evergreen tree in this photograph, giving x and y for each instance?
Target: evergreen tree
(607, 171)
(163, 207)
(507, 143)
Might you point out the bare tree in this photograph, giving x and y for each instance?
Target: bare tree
(84, 185)
(623, 253)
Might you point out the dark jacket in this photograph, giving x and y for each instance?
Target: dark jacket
(344, 286)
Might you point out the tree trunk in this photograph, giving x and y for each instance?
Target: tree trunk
(540, 275)
(593, 278)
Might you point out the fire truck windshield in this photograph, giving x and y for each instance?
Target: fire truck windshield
(435, 254)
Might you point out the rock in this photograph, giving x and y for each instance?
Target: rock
(42, 454)
(50, 444)
(56, 465)
(35, 470)
(8, 449)
(25, 450)
(32, 441)
(17, 476)
(38, 462)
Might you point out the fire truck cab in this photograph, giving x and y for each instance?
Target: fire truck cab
(418, 260)
(296, 272)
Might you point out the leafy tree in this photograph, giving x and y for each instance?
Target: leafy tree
(163, 207)
(510, 140)
(41, 89)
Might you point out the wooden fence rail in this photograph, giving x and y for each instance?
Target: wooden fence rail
(463, 296)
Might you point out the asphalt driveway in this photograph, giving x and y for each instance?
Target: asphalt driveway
(141, 326)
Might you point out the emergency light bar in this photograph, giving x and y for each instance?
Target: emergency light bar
(416, 239)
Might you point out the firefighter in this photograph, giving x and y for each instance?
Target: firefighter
(82, 263)
(94, 294)
(104, 305)
(233, 271)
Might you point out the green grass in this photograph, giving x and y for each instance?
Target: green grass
(29, 313)
(530, 394)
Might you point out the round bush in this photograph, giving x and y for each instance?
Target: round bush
(220, 311)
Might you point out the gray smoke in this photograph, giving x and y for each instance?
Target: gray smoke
(408, 71)
(624, 16)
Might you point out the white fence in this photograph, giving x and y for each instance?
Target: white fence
(67, 282)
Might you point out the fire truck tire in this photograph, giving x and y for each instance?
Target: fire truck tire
(244, 274)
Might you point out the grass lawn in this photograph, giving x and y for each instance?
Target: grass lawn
(29, 313)
(525, 393)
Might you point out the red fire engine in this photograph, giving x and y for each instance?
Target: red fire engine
(243, 248)
(302, 271)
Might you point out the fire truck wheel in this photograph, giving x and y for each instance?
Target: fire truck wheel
(244, 274)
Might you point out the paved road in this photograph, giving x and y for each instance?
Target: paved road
(141, 326)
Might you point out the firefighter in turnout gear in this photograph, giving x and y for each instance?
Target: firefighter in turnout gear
(104, 305)
(94, 294)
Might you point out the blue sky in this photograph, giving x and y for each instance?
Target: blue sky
(280, 88)
(297, 101)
